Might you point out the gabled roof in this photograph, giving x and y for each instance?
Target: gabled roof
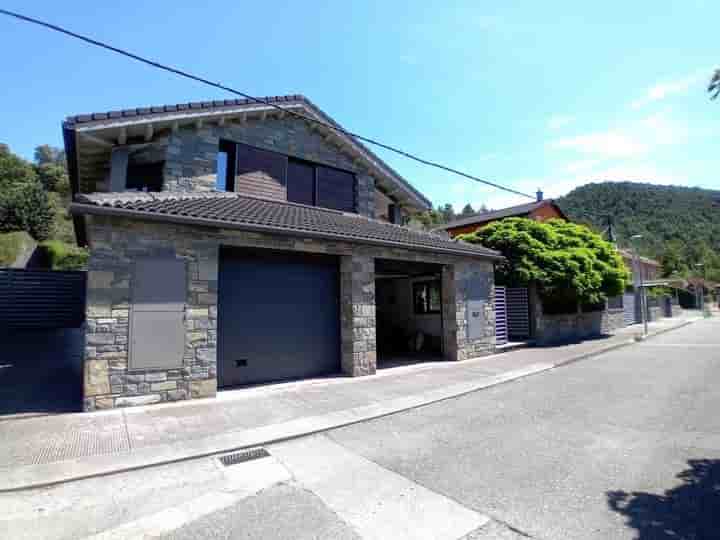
(85, 123)
(233, 211)
(629, 255)
(520, 210)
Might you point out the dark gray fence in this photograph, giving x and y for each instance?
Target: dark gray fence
(518, 313)
(501, 329)
(41, 299)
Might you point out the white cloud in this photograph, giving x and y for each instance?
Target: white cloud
(581, 166)
(609, 144)
(666, 89)
(559, 121)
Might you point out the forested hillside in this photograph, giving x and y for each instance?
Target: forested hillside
(676, 222)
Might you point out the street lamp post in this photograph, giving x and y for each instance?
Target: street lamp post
(643, 301)
(700, 293)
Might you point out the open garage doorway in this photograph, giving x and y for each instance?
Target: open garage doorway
(408, 303)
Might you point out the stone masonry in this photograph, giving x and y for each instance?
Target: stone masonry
(191, 160)
(116, 242)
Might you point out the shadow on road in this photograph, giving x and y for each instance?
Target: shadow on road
(689, 511)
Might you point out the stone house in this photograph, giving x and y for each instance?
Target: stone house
(235, 242)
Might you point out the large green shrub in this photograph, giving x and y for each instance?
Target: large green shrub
(565, 260)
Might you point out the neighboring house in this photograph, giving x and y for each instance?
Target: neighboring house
(649, 269)
(233, 243)
(540, 210)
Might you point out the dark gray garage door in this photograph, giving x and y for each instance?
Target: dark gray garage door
(278, 316)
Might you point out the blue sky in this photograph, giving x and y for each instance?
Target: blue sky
(527, 94)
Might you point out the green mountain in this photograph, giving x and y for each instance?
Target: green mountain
(684, 219)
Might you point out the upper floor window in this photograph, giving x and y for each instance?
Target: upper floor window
(145, 176)
(263, 173)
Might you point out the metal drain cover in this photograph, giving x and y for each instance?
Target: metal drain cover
(243, 456)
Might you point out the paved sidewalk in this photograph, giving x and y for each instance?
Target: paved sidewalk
(53, 449)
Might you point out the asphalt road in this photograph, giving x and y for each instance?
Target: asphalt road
(621, 446)
(626, 445)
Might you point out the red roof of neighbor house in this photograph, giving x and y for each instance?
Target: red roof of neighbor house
(512, 211)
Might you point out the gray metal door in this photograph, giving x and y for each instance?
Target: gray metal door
(501, 327)
(518, 313)
(278, 316)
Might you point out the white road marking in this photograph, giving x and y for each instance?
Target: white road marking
(241, 481)
(376, 502)
(682, 345)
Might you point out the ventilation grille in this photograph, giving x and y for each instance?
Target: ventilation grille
(243, 456)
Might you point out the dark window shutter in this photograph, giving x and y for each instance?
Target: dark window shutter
(254, 160)
(260, 173)
(301, 182)
(335, 189)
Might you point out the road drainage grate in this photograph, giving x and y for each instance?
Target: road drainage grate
(243, 456)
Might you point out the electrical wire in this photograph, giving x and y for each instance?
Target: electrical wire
(220, 86)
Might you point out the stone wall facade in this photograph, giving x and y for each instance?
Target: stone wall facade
(191, 159)
(572, 326)
(108, 380)
(117, 242)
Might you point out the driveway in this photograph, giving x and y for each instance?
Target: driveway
(40, 372)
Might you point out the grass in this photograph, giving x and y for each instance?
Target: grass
(64, 256)
(11, 245)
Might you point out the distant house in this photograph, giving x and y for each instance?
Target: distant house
(649, 269)
(540, 210)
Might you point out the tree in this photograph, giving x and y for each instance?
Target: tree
(563, 259)
(13, 169)
(447, 213)
(714, 86)
(467, 210)
(46, 154)
(673, 260)
(24, 204)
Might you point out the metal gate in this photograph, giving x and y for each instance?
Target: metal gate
(518, 313)
(501, 327)
(41, 299)
(630, 310)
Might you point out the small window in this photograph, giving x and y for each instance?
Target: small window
(300, 182)
(145, 176)
(426, 297)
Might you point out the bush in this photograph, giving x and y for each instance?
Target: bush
(64, 256)
(569, 263)
(26, 207)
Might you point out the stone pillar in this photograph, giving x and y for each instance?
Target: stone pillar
(357, 306)
(450, 314)
(462, 282)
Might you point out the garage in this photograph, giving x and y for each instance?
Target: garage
(278, 316)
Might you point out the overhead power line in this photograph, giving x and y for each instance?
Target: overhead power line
(187, 75)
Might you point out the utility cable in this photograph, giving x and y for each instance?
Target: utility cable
(220, 86)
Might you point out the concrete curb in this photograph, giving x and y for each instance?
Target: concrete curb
(49, 474)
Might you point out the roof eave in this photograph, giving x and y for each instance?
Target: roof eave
(79, 209)
(293, 102)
